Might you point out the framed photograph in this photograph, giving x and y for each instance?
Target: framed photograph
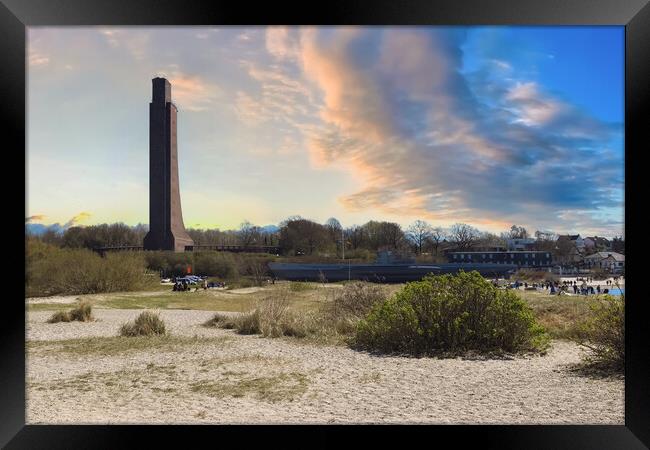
(409, 217)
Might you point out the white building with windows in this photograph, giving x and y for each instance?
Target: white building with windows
(609, 261)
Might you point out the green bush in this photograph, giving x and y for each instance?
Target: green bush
(146, 324)
(450, 314)
(604, 333)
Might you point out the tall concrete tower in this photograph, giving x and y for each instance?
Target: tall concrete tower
(166, 228)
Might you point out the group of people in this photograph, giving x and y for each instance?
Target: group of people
(183, 285)
(555, 287)
(584, 288)
(180, 286)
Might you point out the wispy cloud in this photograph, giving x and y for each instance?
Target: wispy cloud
(35, 218)
(78, 219)
(189, 91)
(136, 42)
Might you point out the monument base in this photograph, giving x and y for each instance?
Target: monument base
(168, 243)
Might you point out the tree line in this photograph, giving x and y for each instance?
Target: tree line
(299, 236)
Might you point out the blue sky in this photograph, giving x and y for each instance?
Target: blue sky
(486, 125)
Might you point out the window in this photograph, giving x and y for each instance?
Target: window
(483, 255)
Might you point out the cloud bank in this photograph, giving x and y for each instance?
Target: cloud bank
(430, 140)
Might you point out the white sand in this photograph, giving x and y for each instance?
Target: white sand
(339, 385)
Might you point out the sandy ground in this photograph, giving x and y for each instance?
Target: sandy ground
(249, 379)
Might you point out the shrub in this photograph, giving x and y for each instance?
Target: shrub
(146, 324)
(52, 270)
(217, 264)
(356, 299)
(270, 318)
(604, 333)
(82, 313)
(59, 316)
(450, 314)
(350, 304)
(272, 313)
(248, 322)
(221, 321)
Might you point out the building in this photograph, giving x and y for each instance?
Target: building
(520, 244)
(575, 239)
(609, 261)
(533, 259)
(166, 228)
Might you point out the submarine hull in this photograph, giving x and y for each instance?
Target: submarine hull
(389, 273)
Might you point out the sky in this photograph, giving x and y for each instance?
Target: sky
(490, 126)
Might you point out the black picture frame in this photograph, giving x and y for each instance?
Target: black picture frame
(16, 15)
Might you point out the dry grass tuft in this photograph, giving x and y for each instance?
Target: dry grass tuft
(146, 324)
(82, 313)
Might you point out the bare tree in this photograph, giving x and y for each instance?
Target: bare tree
(334, 229)
(437, 236)
(419, 233)
(517, 232)
(248, 234)
(545, 241)
(489, 240)
(355, 236)
(463, 236)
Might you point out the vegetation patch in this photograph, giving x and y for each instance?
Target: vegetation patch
(560, 315)
(276, 388)
(51, 270)
(450, 314)
(146, 324)
(603, 335)
(330, 322)
(110, 346)
(81, 313)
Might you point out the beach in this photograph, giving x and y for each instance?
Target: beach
(81, 373)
